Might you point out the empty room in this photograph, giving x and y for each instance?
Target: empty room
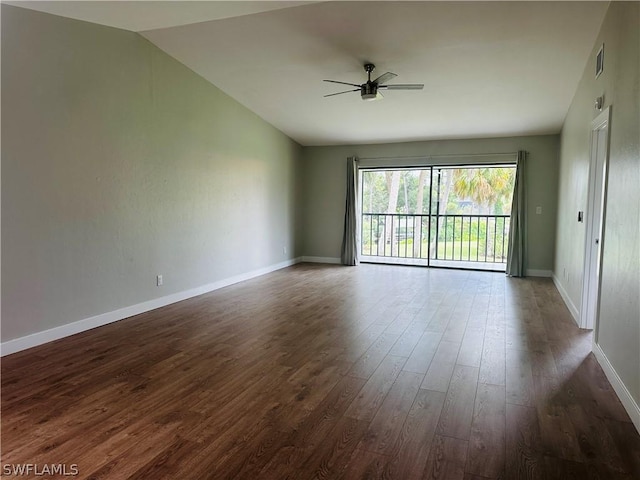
(320, 240)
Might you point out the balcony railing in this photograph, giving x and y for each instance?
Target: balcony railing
(460, 238)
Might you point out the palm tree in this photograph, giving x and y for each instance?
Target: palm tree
(490, 188)
(487, 187)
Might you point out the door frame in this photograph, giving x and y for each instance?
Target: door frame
(594, 231)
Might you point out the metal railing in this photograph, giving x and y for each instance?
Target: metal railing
(469, 238)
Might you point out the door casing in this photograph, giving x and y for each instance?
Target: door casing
(595, 217)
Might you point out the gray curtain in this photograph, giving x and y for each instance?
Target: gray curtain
(517, 231)
(350, 238)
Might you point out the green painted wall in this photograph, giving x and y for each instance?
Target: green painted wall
(118, 164)
(619, 329)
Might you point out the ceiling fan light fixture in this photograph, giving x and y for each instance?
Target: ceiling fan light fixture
(368, 97)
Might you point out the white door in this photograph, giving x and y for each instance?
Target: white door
(594, 220)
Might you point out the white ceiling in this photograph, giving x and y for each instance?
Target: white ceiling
(489, 68)
(150, 14)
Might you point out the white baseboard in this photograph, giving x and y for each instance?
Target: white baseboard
(539, 273)
(575, 313)
(618, 385)
(39, 338)
(331, 260)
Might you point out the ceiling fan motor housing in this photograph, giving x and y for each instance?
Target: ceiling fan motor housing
(369, 91)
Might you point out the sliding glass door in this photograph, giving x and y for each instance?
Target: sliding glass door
(437, 216)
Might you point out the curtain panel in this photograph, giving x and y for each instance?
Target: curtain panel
(350, 238)
(517, 229)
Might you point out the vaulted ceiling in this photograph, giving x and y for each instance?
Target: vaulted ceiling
(489, 68)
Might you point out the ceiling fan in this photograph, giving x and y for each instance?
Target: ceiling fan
(370, 89)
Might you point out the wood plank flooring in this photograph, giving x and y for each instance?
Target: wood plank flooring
(327, 372)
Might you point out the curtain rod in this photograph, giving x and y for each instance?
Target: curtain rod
(447, 155)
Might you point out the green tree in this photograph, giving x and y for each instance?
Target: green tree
(489, 187)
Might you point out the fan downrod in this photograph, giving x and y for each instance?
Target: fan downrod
(369, 67)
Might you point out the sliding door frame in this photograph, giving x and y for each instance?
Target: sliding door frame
(430, 165)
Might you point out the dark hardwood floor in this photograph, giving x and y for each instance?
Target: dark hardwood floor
(327, 372)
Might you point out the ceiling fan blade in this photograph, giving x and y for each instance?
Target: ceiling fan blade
(404, 86)
(385, 77)
(343, 83)
(340, 93)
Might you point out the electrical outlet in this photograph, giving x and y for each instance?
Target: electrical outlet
(159, 280)
(538, 210)
(284, 250)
